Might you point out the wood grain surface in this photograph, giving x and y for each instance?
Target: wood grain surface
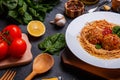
(109, 74)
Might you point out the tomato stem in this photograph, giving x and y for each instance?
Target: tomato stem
(6, 32)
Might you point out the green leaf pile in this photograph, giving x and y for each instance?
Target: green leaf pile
(24, 11)
(53, 44)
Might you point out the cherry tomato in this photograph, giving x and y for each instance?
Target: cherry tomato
(17, 48)
(3, 49)
(12, 31)
(107, 31)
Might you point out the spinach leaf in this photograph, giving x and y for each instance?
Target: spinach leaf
(30, 3)
(27, 17)
(1, 7)
(45, 44)
(10, 4)
(31, 9)
(53, 44)
(22, 9)
(20, 3)
(13, 14)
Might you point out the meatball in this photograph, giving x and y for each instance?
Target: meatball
(94, 36)
(111, 42)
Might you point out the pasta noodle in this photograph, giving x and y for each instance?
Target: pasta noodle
(92, 34)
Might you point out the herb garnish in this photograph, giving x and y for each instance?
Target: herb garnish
(98, 46)
(116, 30)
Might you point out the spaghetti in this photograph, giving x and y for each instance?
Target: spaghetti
(100, 32)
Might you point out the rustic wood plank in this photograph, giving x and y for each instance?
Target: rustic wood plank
(109, 74)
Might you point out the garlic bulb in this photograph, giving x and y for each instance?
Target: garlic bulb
(59, 20)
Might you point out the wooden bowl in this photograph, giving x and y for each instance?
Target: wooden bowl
(74, 8)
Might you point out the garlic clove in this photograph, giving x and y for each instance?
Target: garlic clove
(59, 20)
(58, 17)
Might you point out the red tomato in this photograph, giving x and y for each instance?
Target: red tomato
(107, 31)
(13, 32)
(17, 48)
(3, 49)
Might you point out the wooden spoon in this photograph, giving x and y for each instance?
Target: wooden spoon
(42, 63)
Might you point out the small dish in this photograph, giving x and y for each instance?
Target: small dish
(74, 8)
(90, 2)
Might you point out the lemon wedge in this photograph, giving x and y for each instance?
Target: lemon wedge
(36, 28)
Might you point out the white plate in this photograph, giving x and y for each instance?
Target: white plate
(73, 31)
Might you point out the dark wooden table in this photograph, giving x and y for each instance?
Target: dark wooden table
(59, 69)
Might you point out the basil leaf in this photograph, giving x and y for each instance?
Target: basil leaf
(116, 29)
(118, 33)
(98, 46)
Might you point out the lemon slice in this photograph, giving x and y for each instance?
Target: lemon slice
(36, 28)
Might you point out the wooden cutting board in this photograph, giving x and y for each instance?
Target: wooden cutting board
(27, 57)
(109, 74)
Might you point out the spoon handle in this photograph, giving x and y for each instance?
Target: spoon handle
(30, 76)
(102, 3)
